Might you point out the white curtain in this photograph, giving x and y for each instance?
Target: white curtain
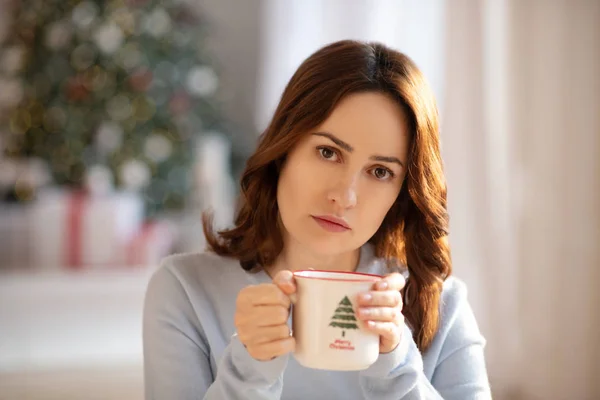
(478, 152)
(518, 86)
(294, 29)
(521, 133)
(556, 85)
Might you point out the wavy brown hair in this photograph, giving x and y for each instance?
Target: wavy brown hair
(416, 227)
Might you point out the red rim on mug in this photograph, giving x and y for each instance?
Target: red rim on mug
(339, 276)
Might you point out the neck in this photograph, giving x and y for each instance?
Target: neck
(295, 257)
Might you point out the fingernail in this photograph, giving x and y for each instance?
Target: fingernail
(382, 285)
(370, 324)
(366, 297)
(364, 312)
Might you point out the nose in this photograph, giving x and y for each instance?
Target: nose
(344, 192)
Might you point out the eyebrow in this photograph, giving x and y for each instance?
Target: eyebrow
(350, 149)
(336, 140)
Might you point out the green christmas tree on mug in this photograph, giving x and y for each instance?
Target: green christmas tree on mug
(344, 316)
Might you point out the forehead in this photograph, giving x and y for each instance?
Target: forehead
(372, 119)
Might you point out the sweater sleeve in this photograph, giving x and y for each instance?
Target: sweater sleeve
(177, 355)
(460, 372)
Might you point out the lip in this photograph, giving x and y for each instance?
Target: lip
(331, 223)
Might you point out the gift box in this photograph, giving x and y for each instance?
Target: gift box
(154, 241)
(15, 240)
(77, 230)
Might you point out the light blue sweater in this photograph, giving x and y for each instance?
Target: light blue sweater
(191, 352)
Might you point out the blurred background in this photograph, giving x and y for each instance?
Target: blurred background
(121, 120)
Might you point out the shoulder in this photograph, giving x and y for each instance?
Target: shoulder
(190, 274)
(204, 263)
(454, 292)
(457, 321)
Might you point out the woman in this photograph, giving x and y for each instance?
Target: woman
(348, 176)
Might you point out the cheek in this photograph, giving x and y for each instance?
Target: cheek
(297, 184)
(377, 203)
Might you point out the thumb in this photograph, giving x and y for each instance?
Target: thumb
(285, 282)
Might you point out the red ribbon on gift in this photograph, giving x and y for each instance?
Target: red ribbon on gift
(74, 227)
(136, 248)
(136, 251)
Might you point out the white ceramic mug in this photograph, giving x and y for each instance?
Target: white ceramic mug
(327, 332)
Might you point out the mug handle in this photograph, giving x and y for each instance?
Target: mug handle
(293, 298)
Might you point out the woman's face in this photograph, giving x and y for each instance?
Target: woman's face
(340, 180)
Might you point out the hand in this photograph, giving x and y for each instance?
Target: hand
(381, 309)
(261, 317)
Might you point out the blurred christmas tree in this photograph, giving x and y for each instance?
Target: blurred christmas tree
(110, 93)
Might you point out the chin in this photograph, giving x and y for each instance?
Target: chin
(329, 245)
(325, 249)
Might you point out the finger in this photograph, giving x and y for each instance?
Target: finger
(393, 281)
(388, 298)
(385, 314)
(268, 351)
(264, 294)
(261, 316)
(268, 316)
(285, 282)
(387, 330)
(264, 334)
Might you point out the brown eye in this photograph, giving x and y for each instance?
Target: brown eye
(382, 173)
(327, 153)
